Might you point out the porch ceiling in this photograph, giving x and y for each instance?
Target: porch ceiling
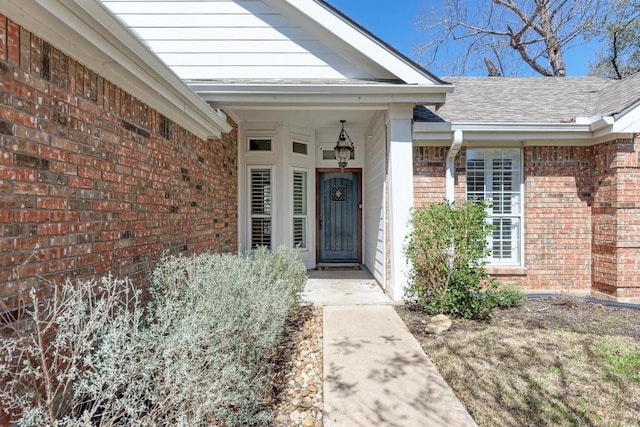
(306, 117)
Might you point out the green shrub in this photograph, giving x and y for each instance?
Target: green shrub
(506, 297)
(199, 356)
(448, 250)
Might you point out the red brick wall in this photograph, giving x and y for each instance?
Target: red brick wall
(558, 198)
(557, 213)
(428, 175)
(616, 212)
(582, 215)
(92, 180)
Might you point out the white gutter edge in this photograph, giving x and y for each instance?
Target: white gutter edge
(599, 122)
(89, 33)
(456, 144)
(313, 88)
(193, 105)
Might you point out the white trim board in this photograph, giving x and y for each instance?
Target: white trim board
(89, 33)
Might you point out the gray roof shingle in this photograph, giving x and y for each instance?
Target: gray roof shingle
(520, 99)
(617, 96)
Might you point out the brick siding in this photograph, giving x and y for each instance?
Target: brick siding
(616, 212)
(557, 218)
(428, 175)
(581, 215)
(94, 181)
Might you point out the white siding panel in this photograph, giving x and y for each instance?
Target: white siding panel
(230, 34)
(249, 72)
(172, 7)
(374, 189)
(238, 46)
(244, 32)
(205, 20)
(250, 59)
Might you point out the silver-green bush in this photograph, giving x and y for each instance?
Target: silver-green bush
(200, 355)
(221, 317)
(47, 352)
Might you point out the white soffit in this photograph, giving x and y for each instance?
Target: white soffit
(88, 32)
(262, 39)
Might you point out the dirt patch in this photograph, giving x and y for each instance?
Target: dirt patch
(552, 361)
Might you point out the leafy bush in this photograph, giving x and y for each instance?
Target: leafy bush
(200, 355)
(448, 250)
(506, 297)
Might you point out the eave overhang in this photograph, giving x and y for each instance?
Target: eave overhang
(87, 31)
(373, 96)
(585, 134)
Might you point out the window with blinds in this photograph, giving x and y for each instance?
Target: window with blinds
(260, 206)
(300, 209)
(496, 175)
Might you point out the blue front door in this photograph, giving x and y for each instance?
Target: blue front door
(338, 222)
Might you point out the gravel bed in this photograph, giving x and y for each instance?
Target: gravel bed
(298, 383)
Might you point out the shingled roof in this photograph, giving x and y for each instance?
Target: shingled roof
(519, 99)
(617, 96)
(533, 99)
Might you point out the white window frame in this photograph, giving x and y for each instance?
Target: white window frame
(516, 197)
(354, 156)
(305, 143)
(304, 215)
(251, 215)
(250, 137)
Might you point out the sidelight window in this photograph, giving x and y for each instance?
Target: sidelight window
(260, 206)
(300, 209)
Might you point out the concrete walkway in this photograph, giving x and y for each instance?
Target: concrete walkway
(375, 372)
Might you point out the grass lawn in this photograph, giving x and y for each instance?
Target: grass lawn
(549, 362)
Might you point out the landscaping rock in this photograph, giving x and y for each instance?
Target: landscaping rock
(300, 402)
(438, 324)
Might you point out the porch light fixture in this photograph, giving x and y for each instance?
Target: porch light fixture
(343, 148)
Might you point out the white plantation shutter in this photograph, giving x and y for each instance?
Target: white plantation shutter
(475, 179)
(260, 201)
(300, 209)
(496, 175)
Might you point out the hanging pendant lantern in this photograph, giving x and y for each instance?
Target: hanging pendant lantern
(343, 148)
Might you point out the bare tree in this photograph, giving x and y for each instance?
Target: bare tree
(620, 31)
(502, 34)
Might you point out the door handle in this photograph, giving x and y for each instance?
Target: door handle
(321, 222)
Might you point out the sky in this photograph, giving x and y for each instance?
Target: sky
(395, 22)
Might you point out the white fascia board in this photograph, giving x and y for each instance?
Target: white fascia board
(628, 121)
(302, 100)
(426, 133)
(212, 88)
(521, 127)
(150, 70)
(240, 96)
(88, 32)
(359, 40)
